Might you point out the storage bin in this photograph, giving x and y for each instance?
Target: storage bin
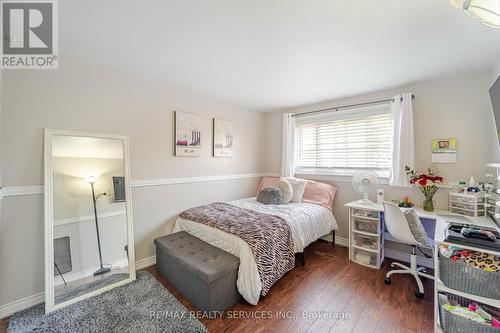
(463, 277)
(467, 212)
(366, 226)
(365, 213)
(465, 206)
(368, 242)
(468, 204)
(452, 323)
(364, 257)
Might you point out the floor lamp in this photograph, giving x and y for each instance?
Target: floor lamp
(91, 180)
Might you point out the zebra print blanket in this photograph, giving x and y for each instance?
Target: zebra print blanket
(269, 236)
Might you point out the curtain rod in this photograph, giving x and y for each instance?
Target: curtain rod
(347, 106)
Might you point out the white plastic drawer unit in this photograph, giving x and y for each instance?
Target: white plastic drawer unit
(466, 198)
(366, 214)
(371, 227)
(466, 212)
(468, 204)
(365, 257)
(365, 241)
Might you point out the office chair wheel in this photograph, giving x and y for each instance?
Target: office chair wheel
(419, 295)
(387, 280)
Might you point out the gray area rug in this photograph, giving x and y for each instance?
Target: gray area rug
(99, 283)
(141, 306)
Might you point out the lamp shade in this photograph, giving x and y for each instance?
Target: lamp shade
(486, 11)
(90, 179)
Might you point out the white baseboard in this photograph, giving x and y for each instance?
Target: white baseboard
(338, 240)
(405, 257)
(393, 254)
(146, 262)
(24, 303)
(341, 241)
(21, 304)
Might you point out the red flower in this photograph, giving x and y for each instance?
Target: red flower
(422, 182)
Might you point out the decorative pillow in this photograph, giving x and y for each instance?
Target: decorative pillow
(320, 194)
(298, 185)
(416, 228)
(270, 196)
(266, 182)
(287, 189)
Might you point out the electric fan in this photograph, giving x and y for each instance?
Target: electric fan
(362, 180)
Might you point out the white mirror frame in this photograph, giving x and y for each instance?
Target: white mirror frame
(49, 219)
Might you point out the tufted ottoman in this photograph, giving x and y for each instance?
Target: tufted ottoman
(204, 274)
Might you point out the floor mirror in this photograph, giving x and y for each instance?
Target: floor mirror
(89, 244)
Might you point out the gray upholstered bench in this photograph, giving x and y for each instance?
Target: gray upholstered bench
(204, 274)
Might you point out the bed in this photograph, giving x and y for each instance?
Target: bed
(307, 223)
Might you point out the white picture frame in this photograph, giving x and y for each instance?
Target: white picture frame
(49, 218)
(187, 134)
(223, 138)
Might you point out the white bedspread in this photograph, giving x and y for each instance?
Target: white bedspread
(308, 222)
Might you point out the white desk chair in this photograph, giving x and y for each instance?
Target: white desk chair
(398, 227)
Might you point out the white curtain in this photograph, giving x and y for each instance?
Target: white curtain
(403, 140)
(288, 146)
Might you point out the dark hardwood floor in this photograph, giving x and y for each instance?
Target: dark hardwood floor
(330, 284)
(327, 284)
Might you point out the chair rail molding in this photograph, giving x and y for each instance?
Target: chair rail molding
(201, 179)
(14, 191)
(89, 218)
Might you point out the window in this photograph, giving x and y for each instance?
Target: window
(341, 142)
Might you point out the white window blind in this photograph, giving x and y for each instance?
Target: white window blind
(344, 141)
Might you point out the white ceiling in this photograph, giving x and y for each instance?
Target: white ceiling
(267, 54)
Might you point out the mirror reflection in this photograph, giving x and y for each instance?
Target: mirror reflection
(89, 215)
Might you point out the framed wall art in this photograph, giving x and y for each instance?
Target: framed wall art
(223, 138)
(187, 134)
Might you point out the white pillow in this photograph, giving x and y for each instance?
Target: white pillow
(299, 186)
(417, 229)
(287, 189)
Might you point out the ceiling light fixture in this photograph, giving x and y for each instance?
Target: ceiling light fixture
(486, 11)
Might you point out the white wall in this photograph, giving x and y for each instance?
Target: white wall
(82, 96)
(456, 106)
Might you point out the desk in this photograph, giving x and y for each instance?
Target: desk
(370, 217)
(373, 213)
(364, 214)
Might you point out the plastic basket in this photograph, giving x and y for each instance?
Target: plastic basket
(460, 276)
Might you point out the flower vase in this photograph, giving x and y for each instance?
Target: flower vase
(428, 204)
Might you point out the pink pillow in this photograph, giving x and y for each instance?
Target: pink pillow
(266, 182)
(320, 194)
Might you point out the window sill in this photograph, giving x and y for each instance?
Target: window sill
(343, 176)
